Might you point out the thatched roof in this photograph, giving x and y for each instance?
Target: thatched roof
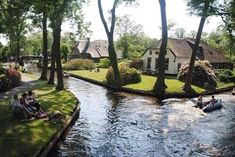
(96, 49)
(182, 48)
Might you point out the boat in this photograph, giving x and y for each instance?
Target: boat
(210, 107)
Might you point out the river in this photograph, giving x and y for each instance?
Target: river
(120, 124)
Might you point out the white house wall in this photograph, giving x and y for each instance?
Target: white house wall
(173, 61)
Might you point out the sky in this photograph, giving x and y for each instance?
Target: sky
(147, 13)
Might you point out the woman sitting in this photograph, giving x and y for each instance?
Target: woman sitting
(18, 109)
(26, 104)
(32, 101)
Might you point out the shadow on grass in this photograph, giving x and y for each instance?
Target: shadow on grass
(22, 139)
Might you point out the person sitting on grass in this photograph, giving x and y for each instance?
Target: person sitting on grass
(18, 109)
(24, 102)
(32, 101)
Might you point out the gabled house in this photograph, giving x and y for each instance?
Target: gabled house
(94, 50)
(179, 52)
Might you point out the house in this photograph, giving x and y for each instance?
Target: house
(179, 52)
(94, 50)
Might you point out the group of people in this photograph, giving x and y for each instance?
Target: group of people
(26, 106)
(202, 104)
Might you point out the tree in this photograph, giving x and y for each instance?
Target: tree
(127, 30)
(227, 13)
(137, 44)
(202, 8)
(160, 86)
(14, 19)
(40, 7)
(179, 32)
(65, 51)
(110, 33)
(59, 11)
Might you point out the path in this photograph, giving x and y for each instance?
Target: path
(27, 84)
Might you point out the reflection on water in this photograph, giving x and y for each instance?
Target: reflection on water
(120, 124)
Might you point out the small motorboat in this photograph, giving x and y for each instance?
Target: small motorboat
(211, 107)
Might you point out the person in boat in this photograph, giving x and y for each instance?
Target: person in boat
(212, 101)
(199, 102)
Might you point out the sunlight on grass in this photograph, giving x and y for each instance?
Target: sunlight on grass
(99, 76)
(147, 83)
(25, 138)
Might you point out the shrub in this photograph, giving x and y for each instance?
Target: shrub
(79, 64)
(225, 75)
(203, 75)
(1, 68)
(137, 64)
(14, 77)
(104, 63)
(128, 75)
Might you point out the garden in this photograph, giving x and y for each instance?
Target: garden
(205, 78)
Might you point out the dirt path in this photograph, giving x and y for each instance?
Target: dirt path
(27, 84)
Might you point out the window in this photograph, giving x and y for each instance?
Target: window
(150, 52)
(166, 63)
(179, 66)
(156, 63)
(156, 52)
(149, 63)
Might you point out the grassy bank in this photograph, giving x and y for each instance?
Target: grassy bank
(147, 83)
(25, 138)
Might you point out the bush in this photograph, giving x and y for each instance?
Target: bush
(1, 69)
(225, 75)
(14, 77)
(79, 64)
(128, 75)
(203, 75)
(104, 63)
(4, 83)
(137, 64)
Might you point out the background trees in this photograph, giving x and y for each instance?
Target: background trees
(131, 38)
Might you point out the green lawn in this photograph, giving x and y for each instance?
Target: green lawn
(147, 83)
(25, 138)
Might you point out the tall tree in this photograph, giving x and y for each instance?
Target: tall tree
(41, 11)
(110, 34)
(202, 8)
(127, 29)
(14, 13)
(226, 11)
(60, 10)
(160, 86)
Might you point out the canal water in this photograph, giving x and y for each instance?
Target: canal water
(119, 124)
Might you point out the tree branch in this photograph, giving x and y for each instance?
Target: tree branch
(102, 17)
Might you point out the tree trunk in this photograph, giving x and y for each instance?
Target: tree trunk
(187, 86)
(160, 86)
(45, 46)
(114, 63)
(56, 39)
(52, 69)
(111, 48)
